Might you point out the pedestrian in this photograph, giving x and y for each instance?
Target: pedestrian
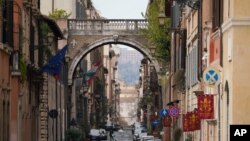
(111, 135)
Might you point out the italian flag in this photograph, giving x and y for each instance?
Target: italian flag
(89, 75)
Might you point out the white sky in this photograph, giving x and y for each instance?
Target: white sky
(121, 9)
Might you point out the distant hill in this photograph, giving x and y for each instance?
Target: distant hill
(128, 72)
(128, 65)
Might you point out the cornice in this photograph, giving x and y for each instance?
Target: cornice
(235, 22)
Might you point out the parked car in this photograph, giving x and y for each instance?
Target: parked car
(147, 138)
(103, 134)
(139, 132)
(97, 134)
(116, 127)
(108, 126)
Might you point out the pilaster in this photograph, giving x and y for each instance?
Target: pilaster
(43, 108)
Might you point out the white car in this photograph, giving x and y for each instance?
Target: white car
(98, 134)
(147, 138)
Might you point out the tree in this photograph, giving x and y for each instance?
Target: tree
(59, 14)
(156, 33)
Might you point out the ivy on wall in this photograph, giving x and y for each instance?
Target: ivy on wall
(156, 33)
(45, 29)
(23, 68)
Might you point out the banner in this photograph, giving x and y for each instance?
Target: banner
(206, 106)
(167, 121)
(193, 121)
(197, 122)
(185, 123)
(54, 64)
(152, 117)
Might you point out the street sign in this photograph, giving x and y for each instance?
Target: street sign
(211, 76)
(163, 112)
(156, 122)
(173, 111)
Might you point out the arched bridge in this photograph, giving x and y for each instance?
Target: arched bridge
(86, 35)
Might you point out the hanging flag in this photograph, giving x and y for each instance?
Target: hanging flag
(152, 117)
(89, 75)
(197, 122)
(191, 121)
(54, 64)
(167, 121)
(185, 122)
(205, 106)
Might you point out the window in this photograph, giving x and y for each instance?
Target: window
(217, 14)
(192, 66)
(8, 22)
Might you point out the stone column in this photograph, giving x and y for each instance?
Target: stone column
(43, 107)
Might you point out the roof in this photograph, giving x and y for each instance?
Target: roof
(54, 27)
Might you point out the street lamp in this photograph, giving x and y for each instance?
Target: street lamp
(161, 18)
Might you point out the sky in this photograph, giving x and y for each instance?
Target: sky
(121, 9)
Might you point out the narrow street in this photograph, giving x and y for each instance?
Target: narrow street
(125, 135)
(149, 70)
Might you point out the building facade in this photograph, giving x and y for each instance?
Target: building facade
(215, 32)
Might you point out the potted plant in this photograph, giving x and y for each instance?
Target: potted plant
(73, 134)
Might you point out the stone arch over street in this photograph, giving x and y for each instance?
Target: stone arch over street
(87, 35)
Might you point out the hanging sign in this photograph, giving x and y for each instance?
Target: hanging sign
(173, 111)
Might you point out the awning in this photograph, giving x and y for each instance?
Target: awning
(54, 27)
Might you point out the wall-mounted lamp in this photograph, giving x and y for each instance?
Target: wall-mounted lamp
(161, 18)
(50, 39)
(67, 58)
(172, 103)
(180, 31)
(194, 4)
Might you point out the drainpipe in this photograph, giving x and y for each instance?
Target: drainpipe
(199, 40)
(219, 124)
(221, 64)
(200, 45)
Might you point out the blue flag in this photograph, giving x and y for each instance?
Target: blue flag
(55, 62)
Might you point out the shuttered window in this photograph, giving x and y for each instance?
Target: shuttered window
(192, 67)
(187, 71)
(217, 14)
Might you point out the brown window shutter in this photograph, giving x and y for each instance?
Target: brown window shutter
(168, 8)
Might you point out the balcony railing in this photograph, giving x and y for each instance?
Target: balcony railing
(104, 25)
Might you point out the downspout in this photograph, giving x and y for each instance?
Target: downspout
(219, 113)
(221, 64)
(200, 4)
(199, 40)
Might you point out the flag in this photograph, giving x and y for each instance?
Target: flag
(193, 121)
(152, 117)
(89, 75)
(167, 121)
(205, 106)
(54, 64)
(197, 123)
(185, 122)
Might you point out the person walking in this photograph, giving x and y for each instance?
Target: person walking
(111, 135)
